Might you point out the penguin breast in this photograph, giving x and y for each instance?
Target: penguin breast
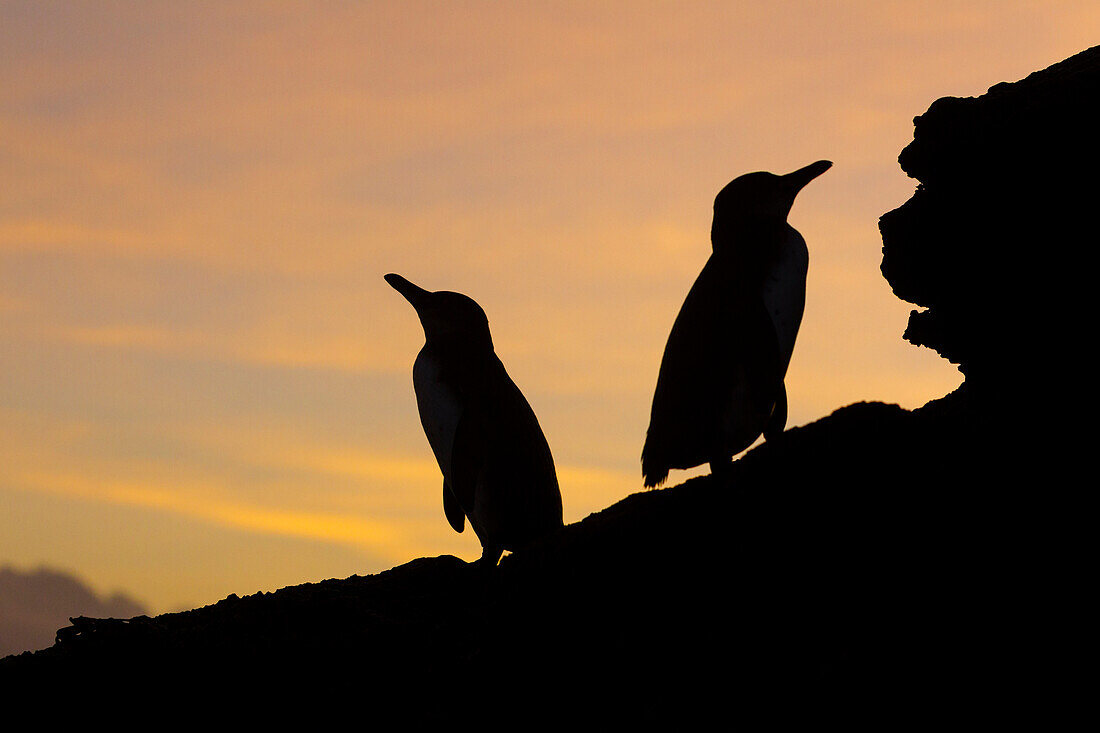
(439, 407)
(784, 292)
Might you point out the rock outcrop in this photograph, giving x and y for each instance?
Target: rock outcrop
(997, 240)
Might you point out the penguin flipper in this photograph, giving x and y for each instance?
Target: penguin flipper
(453, 509)
(467, 458)
(777, 421)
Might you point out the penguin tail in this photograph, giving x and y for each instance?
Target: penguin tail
(777, 420)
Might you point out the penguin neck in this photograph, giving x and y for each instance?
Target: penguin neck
(753, 233)
(467, 347)
(750, 246)
(463, 365)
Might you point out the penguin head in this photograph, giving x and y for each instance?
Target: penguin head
(446, 316)
(759, 201)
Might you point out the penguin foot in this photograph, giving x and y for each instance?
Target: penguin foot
(490, 556)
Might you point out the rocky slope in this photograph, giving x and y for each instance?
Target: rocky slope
(830, 560)
(877, 561)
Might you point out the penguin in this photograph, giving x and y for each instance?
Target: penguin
(497, 467)
(721, 382)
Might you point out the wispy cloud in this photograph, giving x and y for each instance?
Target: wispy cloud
(202, 502)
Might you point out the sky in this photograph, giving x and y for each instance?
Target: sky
(206, 384)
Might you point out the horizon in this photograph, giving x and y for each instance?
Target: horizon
(209, 383)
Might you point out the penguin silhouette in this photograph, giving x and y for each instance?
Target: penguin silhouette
(496, 463)
(721, 380)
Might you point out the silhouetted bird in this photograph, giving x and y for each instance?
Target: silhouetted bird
(721, 379)
(496, 464)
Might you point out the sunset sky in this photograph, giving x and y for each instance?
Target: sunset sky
(206, 384)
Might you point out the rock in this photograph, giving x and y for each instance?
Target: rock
(996, 242)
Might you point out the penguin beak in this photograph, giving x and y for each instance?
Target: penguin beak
(415, 295)
(798, 179)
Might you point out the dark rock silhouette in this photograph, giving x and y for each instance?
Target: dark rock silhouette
(876, 567)
(34, 604)
(992, 242)
(721, 379)
(496, 464)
